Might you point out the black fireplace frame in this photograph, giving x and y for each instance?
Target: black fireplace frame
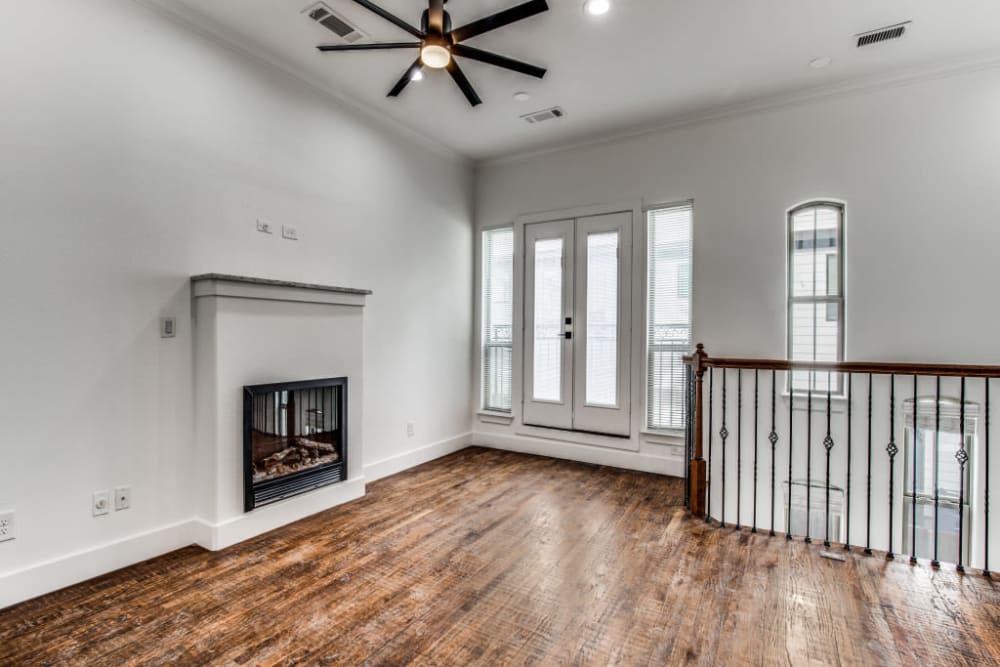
(265, 493)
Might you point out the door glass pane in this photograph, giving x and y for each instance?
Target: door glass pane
(602, 319)
(547, 385)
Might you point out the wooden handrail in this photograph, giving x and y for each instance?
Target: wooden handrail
(700, 361)
(880, 368)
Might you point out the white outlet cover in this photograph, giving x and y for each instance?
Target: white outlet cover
(101, 503)
(411, 429)
(123, 498)
(7, 526)
(289, 232)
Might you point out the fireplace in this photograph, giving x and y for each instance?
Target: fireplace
(294, 438)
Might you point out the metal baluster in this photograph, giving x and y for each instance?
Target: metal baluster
(756, 402)
(937, 491)
(962, 457)
(986, 498)
(828, 445)
(791, 440)
(773, 438)
(708, 477)
(724, 434)
(892, 450)
(913, 482)
(850, 414)
(868, 520)
(809, 458)
(739, 443)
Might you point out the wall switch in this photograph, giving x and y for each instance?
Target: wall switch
(101, 503)
(168, 327)
(264, 226)
(123, 498)
(411, 429)
(7, 525)
(290, 233)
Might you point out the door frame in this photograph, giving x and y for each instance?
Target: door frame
(638, 339)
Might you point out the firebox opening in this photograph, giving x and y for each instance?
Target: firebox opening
(294, 438)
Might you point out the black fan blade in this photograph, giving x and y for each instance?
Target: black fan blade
(435, 16)
(392, 18)
(497, 60)
(498, 20)
(369, 47)
(459, 76)
(407, 77)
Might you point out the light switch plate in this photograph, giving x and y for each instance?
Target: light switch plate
(264, 226)
(123, 498)
(168, 327)
(289, 232)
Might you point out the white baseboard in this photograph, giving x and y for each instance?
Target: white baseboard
(415, 457)
(615, 458)
(216, 536)
(51, 575)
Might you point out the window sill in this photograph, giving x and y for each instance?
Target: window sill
(664, 437)
(491, 417)
(838, 402)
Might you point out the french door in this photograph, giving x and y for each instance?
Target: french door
(577, 297)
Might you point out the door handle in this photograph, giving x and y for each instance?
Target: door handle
(568, 335)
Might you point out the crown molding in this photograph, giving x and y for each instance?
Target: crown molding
(185, 18)
(847, 88)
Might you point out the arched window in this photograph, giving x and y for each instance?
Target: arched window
(816, 291)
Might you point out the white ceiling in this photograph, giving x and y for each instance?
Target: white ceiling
(646, 62)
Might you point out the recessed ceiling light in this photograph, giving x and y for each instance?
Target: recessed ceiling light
(821, 62)
(521, 96)
(417, 76)
(597, 7)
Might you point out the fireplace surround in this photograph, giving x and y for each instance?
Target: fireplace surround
(250, 332)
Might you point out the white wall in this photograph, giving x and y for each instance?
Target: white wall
(135, 153)
(917, 164)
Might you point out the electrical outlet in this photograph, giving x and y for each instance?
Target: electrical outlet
(123, 498)
(264, 226)
(411, 429)
(289, 232)
(101, 503)
(7, 526)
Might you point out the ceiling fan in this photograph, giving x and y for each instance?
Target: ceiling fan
(439, 43)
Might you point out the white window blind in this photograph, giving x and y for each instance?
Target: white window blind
(669, 314)
(498, 313)
(602, 319)
(548, 334)
(815, 291)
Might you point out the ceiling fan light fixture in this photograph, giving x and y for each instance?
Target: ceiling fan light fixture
(597, 7)
(435, 55)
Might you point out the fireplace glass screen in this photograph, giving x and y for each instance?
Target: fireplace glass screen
(294, 438)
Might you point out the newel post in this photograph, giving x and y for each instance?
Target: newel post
(697, 473)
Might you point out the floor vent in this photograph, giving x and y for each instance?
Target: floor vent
(545, 114)
(333, 22)
(881, 34)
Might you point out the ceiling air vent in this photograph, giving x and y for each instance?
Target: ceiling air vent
(881, 34)
(545, 114)
(333, 22)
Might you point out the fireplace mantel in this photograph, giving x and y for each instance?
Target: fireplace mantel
(258, 331)
(248, 287)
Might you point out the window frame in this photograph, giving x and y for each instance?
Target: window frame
(648, 320)
(484, 345)
(840, 299)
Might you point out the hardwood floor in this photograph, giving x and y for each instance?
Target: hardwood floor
(495, 558)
